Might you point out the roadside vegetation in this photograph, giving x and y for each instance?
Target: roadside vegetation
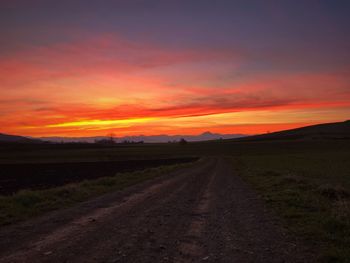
(26, 204)
(310, 190)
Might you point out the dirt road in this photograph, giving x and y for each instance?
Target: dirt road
(205, 213)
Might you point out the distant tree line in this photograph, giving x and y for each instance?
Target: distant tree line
(112, 141)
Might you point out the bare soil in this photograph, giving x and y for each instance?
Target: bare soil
(14, 177)
(200, 214)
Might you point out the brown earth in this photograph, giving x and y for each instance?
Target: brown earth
(205, 213)
(15, 176)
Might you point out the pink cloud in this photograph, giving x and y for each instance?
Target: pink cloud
(105, 55)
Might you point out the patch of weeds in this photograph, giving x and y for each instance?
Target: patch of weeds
(27, 198)
(269, 173)
(341, 209)
(293, 178)
(333, 192)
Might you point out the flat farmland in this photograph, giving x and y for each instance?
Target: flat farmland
(252, 201)
(15, 177)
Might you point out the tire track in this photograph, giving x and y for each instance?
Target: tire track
(192, 248)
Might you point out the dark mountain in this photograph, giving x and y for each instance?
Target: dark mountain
(337, 130)
(6, 138)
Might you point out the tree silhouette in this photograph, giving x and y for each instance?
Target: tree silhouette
(182, 141)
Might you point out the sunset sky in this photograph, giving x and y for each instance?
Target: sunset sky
(85, 68)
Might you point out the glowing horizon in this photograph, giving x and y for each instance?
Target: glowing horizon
(173, 68)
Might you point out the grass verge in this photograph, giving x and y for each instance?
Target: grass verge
(311, 194)
(27, 203)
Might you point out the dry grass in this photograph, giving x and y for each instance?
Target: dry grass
(311, 193)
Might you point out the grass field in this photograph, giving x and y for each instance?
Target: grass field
(310, 190)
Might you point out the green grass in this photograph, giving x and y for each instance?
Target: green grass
(27, 204)
(310, 190)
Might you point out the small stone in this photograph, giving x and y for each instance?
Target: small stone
(162, 247)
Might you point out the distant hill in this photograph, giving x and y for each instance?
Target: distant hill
(206, 136)
(6, 138)
(336, 130)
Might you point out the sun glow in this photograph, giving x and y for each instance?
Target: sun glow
(97, 123)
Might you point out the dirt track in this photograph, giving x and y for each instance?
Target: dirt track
(200, 214)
